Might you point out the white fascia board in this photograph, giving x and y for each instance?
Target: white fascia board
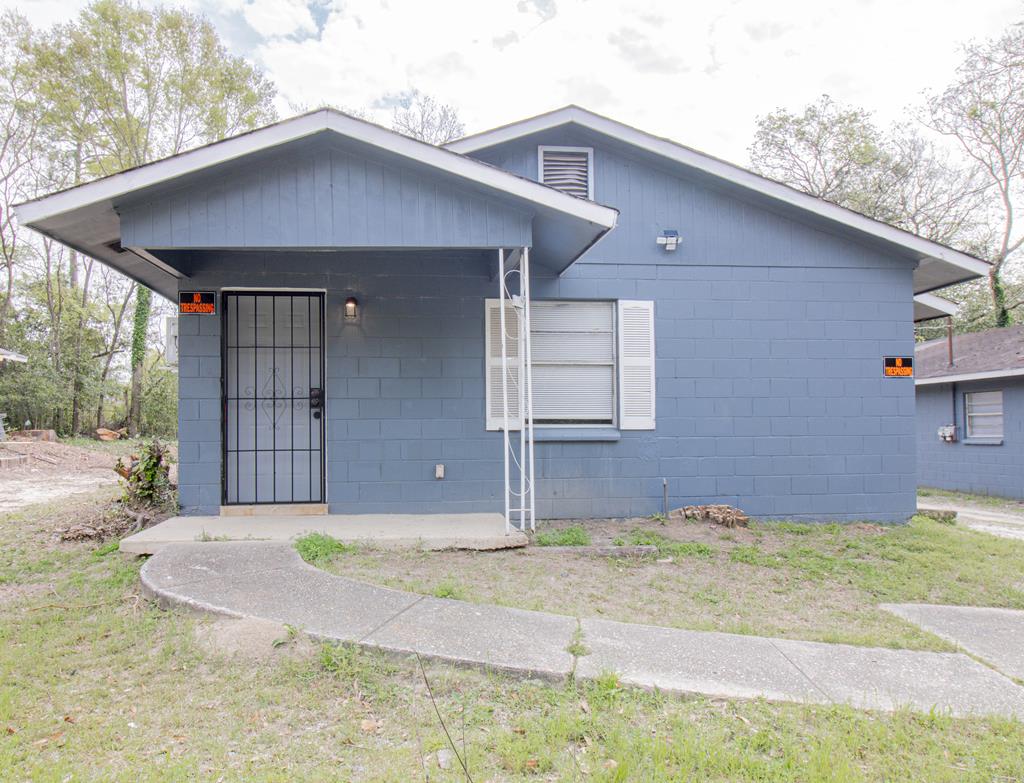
(729, 172)
(937, 303)
(116, 185)
(969, 376)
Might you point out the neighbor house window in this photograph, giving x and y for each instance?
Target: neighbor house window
(568, 169)
(593, 364)
(984, 414)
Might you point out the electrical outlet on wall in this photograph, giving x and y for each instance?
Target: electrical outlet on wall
(439, 471)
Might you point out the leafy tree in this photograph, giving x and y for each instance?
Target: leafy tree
(118, 86)
(983, 112)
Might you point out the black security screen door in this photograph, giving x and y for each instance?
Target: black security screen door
(273, 359)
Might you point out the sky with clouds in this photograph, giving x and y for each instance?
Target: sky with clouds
(698, 72)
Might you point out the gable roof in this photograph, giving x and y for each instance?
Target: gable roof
(939, 266)
(993, 353)
(85, 217)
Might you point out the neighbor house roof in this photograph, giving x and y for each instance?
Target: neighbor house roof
(85, 217)
(994, 353)
(939, 265)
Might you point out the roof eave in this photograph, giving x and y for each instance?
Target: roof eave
(921, 248)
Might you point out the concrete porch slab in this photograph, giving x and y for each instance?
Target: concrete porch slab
(423, 531)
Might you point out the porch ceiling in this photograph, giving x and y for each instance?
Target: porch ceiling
(320, 181)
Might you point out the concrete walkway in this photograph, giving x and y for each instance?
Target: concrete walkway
(994, 635)
(270, 581)
(987, 519)
(425, 531)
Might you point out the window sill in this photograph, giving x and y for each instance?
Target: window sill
(576, 434)
(983, 441)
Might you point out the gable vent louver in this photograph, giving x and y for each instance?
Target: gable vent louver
(567, 171)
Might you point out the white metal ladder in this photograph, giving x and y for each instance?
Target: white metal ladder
(521, 502)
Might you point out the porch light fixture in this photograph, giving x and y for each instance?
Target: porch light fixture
(351, 308)
(669, 239)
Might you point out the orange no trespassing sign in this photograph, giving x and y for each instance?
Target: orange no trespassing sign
(898, 367)
(197, 303)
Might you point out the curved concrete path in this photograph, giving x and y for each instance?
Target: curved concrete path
(270, 581)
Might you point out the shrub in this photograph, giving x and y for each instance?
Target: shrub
(146, 477)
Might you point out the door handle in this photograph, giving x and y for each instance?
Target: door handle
(316, 401)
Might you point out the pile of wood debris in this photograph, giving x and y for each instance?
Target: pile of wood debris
(115, 521)
(719, 514)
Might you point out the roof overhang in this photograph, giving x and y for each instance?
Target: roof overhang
(11, 356)
(938, 265)
(85, 217)
(969, 376)
(929, 306)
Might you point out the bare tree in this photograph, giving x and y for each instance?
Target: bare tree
(424, 118)
(837, 153)
(983, 111)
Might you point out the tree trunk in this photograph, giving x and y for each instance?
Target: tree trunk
(143, 300)
(995, 288)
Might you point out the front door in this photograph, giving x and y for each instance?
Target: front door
(273, 359)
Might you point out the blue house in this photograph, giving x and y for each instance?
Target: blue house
(562, 317)
(970, 412)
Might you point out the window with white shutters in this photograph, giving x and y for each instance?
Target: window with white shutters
(568, 169)
(984, 411)
(590, 366)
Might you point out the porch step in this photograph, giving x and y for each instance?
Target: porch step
(275, 510)
(418, 531)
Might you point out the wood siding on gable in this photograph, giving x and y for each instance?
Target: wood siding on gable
(324, 198)
(716, 228)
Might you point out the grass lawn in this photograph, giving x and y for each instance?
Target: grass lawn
(96, 684)
(814, 582)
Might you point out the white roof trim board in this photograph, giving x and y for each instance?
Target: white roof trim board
(929, 306)
(728, 172)
(298, 127)
(969, 376)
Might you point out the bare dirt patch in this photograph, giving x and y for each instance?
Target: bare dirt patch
(52, 471)
(814, 582)
(250, 638)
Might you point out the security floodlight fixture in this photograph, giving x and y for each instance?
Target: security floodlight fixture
(669, 239)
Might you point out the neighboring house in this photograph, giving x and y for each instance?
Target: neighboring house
(694, 329)
(970, 413)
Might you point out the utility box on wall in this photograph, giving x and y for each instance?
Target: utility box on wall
(947, 434)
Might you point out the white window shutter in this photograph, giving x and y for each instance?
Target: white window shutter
(495, 410)
(636, 365)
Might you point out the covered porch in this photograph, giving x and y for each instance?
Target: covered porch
(392, 248)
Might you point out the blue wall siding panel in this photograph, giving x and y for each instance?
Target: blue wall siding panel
(326, 197)
(754, 421)
(983, 469)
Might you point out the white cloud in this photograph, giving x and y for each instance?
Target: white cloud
(697, 72)
(274, 18)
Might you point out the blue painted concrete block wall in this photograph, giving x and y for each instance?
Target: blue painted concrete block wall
(969, 467)
(769, 332)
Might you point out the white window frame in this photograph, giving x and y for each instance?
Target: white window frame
(622, 360)
(613, 365)
(969, 416)
(590, 164)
